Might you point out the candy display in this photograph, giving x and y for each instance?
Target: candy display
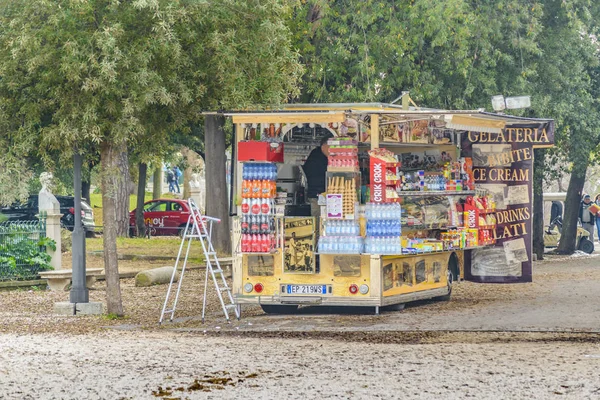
(384, 176)
(343, 154)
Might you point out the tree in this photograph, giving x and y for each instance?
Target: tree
(449, 54)
(105, 73)
(566, 87)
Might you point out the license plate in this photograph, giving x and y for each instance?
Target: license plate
(306, 289)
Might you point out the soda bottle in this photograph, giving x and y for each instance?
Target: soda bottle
(254, 190)
(255, 207)
(255, 244)
(265, 189)
(265, 206)
(245, 226)
(264, 224)
(245, 189)
(254, 225)
(264, 243)
(244, 244)
(245, 206)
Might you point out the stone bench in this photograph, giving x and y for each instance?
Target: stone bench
(60, 279)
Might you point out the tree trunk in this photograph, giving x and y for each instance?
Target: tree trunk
(568, 236)
(538, 203)
(122, 193)
(157, 184)
(110, 159)
(141, 199)
(216, 197)
(85, 190)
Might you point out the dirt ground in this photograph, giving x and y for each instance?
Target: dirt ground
(538, 340)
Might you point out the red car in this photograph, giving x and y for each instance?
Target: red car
(163, 217)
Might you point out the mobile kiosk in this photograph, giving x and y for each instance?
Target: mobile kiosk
(415, 200)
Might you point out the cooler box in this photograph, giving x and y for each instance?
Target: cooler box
(260, 151)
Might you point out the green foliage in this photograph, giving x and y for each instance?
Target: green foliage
(83, 73)
(21, 255)
(449, 54)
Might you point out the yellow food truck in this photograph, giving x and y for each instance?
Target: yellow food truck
(377, 205)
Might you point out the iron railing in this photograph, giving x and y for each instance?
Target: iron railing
(22, 250)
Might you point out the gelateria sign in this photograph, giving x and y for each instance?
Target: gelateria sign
(503, 165)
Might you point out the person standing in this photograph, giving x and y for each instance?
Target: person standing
(597, 202)
(171, 180)
(587, 218)
(177, 173)
(315, 169)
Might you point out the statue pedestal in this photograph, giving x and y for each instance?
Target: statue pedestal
(53, 232)
(198, 196)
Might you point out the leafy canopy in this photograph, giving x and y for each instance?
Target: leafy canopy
(79, 73)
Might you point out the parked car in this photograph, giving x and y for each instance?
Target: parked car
(163, 217)
(28, 211)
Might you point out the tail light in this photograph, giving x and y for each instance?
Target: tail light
(258, 287)
(353, 289)
(363, 289)
(248, 287)
(72, 211)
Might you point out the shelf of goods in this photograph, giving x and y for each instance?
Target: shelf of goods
(383, 228)
(258, 224)
(384, 176)
(418, 193)
(341, 237)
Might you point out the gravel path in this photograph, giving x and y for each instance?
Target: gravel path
(489, 342)
(124, 365)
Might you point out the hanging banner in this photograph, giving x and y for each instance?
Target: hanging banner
(503, 165)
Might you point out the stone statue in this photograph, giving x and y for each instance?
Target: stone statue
(49, 208)
(195, 181)
(47, 202)
(197, 189)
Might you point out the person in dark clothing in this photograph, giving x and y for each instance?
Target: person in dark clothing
(586, 217)
(315, 169)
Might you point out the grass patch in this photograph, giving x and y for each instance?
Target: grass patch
(155, 246)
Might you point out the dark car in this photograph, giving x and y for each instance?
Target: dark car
(163, 217)
(28, 211)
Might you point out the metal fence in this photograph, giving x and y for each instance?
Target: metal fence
(22, 250)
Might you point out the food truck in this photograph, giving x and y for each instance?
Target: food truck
(415, 200)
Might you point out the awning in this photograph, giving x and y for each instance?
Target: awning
(469, 123)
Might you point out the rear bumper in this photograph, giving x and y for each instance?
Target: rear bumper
(350, 301)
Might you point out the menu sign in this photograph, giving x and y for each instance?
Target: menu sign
(503, 165)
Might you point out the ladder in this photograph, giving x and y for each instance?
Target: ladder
(200, 227)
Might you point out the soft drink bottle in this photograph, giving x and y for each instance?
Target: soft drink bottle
(266, 189)
(245, 189)
(255, 244)
(254, 226)
(245, 225)
(265, 246)
(265, 207)
(255, 207)
(245, 206)
(256, 189)
(244, 243)
(264, 224)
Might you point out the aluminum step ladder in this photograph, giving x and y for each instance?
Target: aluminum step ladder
(200, 227)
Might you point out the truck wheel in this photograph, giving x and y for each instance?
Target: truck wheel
(447, 296)
(586, 245)
(395, 307)
(271, 309)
